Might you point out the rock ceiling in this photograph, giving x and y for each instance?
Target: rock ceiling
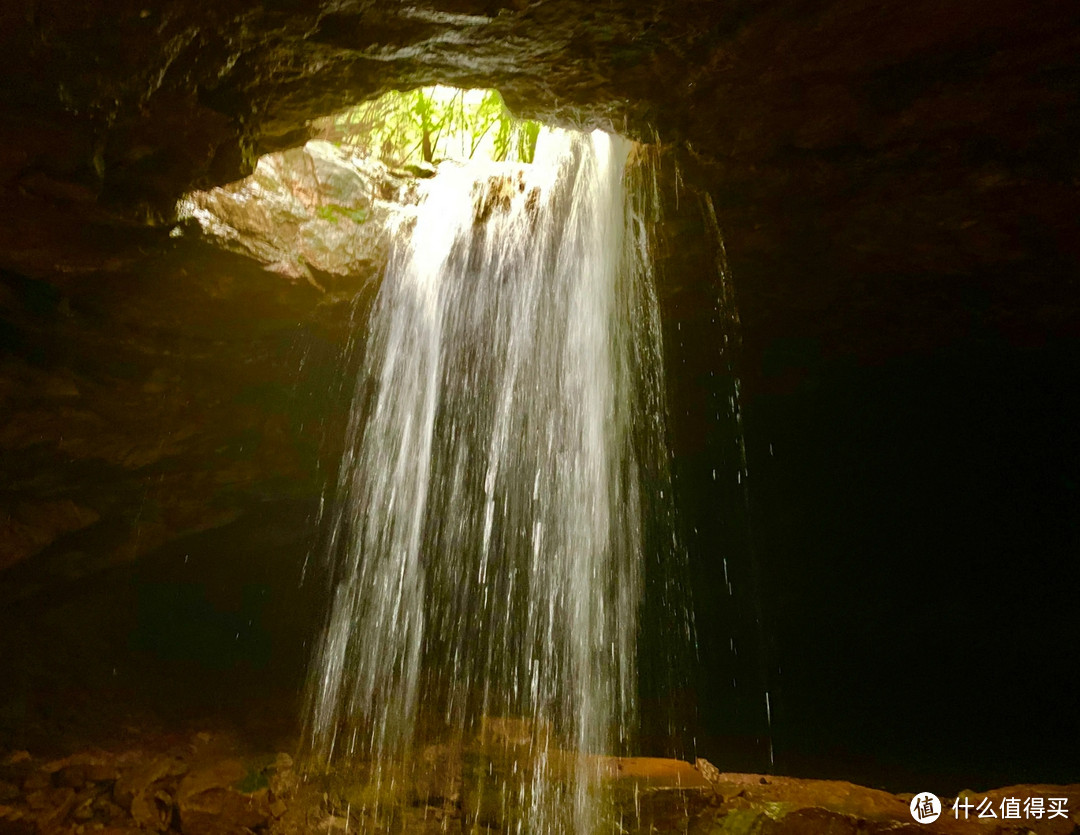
(887, 176)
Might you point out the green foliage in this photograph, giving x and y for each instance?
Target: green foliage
(429, 124)
(333, 213)
(527, 137)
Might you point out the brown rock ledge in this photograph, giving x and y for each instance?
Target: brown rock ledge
(212, 785)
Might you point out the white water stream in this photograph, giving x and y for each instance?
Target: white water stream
(504, 452)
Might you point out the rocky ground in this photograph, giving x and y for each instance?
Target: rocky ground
(208, 783)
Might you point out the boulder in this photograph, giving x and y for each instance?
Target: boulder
(209, 802)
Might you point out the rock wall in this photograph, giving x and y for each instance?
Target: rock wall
(887, 177)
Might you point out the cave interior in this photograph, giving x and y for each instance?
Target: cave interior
(888, 191)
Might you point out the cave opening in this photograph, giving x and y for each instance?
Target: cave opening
(325, 207)
(875, 471)
(501, 541)
(429, 124)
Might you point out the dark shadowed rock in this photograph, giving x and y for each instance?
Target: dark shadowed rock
(27, 527)
(872, 167)
(752, 803)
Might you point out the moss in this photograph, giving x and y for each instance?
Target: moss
(776, 810)
(332, 212)
(738, 822)
(326, 213)
(254, 780)
(750, 821)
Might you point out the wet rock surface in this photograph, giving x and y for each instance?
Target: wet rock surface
(161, 398)
(211, 784)
(203, 784)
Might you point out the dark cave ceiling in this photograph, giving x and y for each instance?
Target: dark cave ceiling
(888, 177)
(858, 153)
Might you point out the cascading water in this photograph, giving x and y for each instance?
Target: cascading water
(506, 448)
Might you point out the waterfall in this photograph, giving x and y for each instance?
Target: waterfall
(506, 448)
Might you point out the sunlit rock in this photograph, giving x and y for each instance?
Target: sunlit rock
(307, 211)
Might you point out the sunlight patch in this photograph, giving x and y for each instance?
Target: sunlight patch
(431, 124)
